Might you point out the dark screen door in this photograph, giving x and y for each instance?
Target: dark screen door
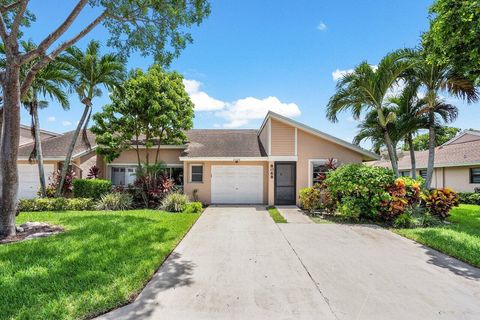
(285, 183)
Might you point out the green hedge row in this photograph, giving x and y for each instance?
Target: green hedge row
(56, 204)
(469, 197)
(91, 188)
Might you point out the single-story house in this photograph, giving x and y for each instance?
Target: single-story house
(457, 163)
(265, 166)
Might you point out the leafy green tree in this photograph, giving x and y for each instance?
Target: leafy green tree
(92, 72)
(437, 78)
(155, 28)
(152, 108)
(365, 89)
(442, 135)
(453, 36)
(408, 107)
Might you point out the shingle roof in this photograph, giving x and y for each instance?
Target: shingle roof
(56, 147)
(223, 143)
(445, 156)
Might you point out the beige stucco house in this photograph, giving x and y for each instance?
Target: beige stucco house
(265, 166)
(457, 163)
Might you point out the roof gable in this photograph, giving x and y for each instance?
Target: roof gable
(367, 154)
(465, 136)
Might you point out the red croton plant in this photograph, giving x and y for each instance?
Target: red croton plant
(403, 193)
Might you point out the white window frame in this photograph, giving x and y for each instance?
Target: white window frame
(310, 168)
(124, 166)
(408, 173)
(190, 180)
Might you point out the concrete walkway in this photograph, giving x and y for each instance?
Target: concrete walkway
(293, 214)
(234, 264)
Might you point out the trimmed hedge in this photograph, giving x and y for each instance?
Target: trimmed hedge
(469, 197)
(91, 188)
(56, 204)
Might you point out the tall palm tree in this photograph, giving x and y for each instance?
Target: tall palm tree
(366, 89)
(93, 71)
(437, 78)
(51, 82)
(408, 107)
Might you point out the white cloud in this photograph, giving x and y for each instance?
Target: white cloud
(339, 74)
(51, 119)
(322, 26)
(240, 112)
(66, 123)
(201, 100)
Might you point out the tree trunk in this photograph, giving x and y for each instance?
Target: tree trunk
(412, 156)
(391, 152)
(431, 148)
(70, 149)
(9, 141)
(39, 155)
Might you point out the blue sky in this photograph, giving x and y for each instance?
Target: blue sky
(251, 56)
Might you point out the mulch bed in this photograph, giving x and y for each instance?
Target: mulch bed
(33, 230)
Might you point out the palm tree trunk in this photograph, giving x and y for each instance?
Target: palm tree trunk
(391, 152)
(70, 149)
(39, 153)
(9, 141)
(431, 148)
(412, 156)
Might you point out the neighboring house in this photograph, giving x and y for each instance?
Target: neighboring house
(54, 147)
(265, 166)
(457, 163)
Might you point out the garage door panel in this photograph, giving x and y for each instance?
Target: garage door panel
(28, 180)
(237, 184)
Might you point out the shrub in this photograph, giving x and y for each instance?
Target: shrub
(439, 202)
(55, 204)
(54, 181)
(469, 197)
(404, 220)
(359, 190)
(151, 184)
(404, 194)
(115, 201)
(91, 188)
(193, 207)
(175, 202)
(310, 199)
(93, 172)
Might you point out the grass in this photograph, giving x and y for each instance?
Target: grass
(276, 216)
(102, 261)
(460, 239)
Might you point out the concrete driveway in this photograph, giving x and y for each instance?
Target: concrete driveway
(236, 263)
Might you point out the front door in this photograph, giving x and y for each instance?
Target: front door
(285, 183)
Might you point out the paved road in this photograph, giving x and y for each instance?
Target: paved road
(236, 263)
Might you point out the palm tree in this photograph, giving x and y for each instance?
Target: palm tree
(365, 89)
(92, 72)
(50, 82)
(408, 107)
(437, 78)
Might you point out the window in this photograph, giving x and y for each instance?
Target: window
(196, 173)
(123, 176)
(405, 173)
(318, 171)
(423, 174)
(474, 175)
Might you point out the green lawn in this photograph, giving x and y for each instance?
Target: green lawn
(100, 262)
(276, 216)
(460, 239)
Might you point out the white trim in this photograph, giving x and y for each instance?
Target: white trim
(190, 173)
(223, 158)
(55, 134)
(282, 158)
(269, 153)
(310, 168)
(44, 159)
(296, 141)
(318, 133)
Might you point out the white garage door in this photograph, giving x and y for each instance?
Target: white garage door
(237, 184)
(28, 183)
